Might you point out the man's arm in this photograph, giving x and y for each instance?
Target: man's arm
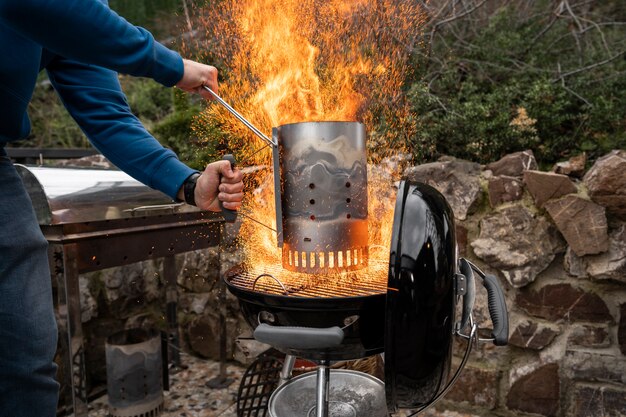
(93, 97)
(88, 31)
(95, 100)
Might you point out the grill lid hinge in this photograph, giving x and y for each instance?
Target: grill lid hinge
(461, 284)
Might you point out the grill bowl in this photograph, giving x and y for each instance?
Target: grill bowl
(362, 319)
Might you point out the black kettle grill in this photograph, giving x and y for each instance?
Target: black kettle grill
(413, 322)
(320, 187)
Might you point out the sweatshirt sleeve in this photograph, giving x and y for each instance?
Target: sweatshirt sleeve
(90, 32)
(94, 98)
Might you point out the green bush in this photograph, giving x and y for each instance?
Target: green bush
(176, 132)
(502, 88)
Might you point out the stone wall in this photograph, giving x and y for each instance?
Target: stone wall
(556, 240)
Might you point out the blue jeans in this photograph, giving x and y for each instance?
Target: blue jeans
(28, 332)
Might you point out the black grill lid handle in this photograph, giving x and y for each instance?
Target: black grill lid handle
(298, 337)
(497, 311)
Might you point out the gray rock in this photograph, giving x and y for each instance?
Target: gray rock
(563, 301)
(574, 264)
(621, 329)
(198, 303)
(544, 186)
(204, 335)
(477, 387)
(594, 366)
(457, 180)
(88, 304)
(517, 243)
(574, 167)
(537, 392)
(581, 222)
(591, 401)
(200, 270)
(114, 280)
(533, 335)
(608, 265)
(503, 189)
(606, 181)
(513, 165)
(591, 336)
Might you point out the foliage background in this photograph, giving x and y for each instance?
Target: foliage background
(489, 77)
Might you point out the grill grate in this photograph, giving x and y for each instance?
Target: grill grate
(276, 280)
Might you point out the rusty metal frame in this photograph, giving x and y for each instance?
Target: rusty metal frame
(78, 248)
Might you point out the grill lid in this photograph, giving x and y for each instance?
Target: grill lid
(420, 304)
(74, 195)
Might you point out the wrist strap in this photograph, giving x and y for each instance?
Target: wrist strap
(189, 188)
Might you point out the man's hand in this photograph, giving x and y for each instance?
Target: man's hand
(219, 182)
(195, 76)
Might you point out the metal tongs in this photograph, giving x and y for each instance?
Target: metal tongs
(275, 159)
(240, 117)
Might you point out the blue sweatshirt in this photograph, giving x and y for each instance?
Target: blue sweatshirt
(82, 44)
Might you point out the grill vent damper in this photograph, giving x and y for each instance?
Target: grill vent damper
(320, 184)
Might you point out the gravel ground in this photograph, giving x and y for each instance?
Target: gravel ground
(189, 395)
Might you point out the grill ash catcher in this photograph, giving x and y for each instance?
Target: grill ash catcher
(320, 175)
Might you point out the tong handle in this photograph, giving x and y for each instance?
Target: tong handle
(239, 116)
(291, 337)
(229, 215)
(497, 310)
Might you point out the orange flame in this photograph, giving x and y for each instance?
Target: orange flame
(291, 61)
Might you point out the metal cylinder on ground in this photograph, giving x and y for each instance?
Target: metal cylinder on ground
(134, 373)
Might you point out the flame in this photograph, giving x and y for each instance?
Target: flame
(289, 61)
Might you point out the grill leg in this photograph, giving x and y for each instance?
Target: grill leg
(323, 377)
(285, 373)
(64, 268)
(171, 294)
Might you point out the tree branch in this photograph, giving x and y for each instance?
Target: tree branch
(589, 67)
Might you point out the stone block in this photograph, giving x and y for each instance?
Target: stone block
(596, 366)
(88, 304)
(517, 243)
(574, 264)
(537, 392)
(598, 401)
(562, 301)
(475, 386)
(610, 265)
(574, 167)
(199, 270)
(544, 186)
(503, 189)
(204, 335)
(457, 180)
(513, 165)
(532, 335)
(606, 182)
(582, 223)
(590, 336)
(621, 330)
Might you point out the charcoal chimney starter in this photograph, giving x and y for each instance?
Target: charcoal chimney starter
(322, 204)
(134, 373)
